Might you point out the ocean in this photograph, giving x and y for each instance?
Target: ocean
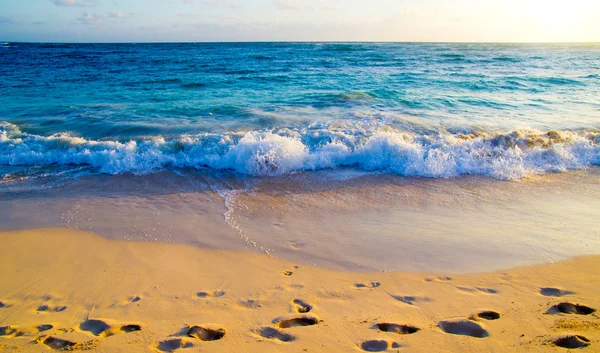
(431, 110)
(316, 152)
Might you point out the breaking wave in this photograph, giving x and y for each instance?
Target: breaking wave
(440, 154)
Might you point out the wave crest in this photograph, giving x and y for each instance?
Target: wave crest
(441, 154)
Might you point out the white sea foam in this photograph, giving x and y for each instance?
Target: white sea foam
(508, 156)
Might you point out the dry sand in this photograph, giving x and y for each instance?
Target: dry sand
(65, 289)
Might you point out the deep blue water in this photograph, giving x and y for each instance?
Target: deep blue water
(434, 110)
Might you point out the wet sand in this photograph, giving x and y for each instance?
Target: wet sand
(343, 220)
(67, 289)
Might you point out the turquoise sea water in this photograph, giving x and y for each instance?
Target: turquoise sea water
(433, 110)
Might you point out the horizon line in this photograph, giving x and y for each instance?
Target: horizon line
(297, 42)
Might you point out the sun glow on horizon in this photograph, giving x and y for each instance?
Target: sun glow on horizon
(558, 19)
(301, 20)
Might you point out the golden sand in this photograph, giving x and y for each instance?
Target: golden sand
(62, 289)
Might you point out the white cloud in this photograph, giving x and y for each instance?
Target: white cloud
(98, 19)
(188, 14)
(75, 3)
(288, 5)
(221, 3)
(215, 3)
(120, 15)
(90, 19)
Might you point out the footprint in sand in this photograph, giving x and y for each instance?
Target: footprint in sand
(64, 345)
(210, 294)
(172, 345)
(554, 292)
(488, 315)
(206, 334)
(570, 308)
(368, 285)
(130, 328)
(102, 329)
(284, 287)
(57, 343)
(410, 299)
(135, 299)
(297, 321)
(46, 308)
(463, 327)
(377, 345)
(296, 245)
(395, 328)
(7, 330)
(572, 342)
(42, 328)
(274, 334)
(438, 279)
(121, 329)
(302, 307)
(95, 327)
(250, 304)
(11, 331)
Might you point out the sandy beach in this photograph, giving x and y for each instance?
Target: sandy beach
(66, 289)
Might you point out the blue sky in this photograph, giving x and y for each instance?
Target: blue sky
(299, 20)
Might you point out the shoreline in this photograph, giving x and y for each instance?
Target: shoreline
(93, 292)
(341, 222)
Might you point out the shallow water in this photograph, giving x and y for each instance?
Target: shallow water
(345, 220)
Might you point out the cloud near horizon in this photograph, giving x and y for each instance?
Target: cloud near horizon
(120, 15)
(98, 19)
(214, 3)
(90, 19)
(75, 3)
(288, 5)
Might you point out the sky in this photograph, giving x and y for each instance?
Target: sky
(300, 20)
